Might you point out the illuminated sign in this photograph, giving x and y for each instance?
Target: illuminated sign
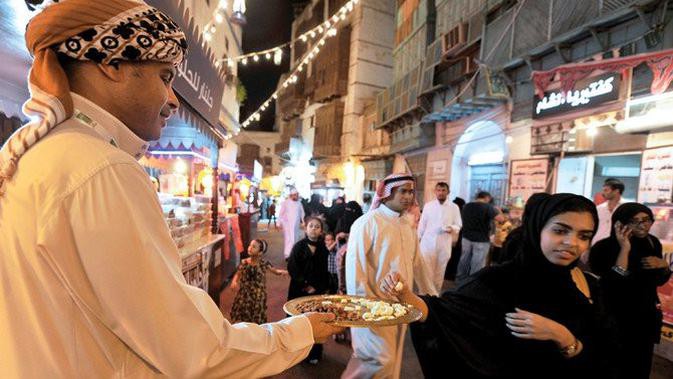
(585, 95)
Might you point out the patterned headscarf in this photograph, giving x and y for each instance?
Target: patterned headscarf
(385, 187)
(105, 32)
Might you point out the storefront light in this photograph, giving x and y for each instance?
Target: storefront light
(180, 166)
(488, 157)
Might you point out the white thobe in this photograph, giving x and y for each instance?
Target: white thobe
(381, 242)
(91, 285)
(604, 221)
(290, 217)
(435, 242)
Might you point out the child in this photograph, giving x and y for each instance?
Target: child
(250, 281)
(331, 245)
(308, 270)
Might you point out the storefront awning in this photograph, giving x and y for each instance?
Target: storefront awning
(463, 109)
(660, 62)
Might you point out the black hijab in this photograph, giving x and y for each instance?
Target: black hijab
(465, 331)
(352, 212)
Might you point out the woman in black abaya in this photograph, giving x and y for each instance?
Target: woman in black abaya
(631, 267)
(536, 316)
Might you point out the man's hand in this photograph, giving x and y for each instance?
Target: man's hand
(322, 326)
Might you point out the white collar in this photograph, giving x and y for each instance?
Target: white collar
(107, 126)
(388, 212)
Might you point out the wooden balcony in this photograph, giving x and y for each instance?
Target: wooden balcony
(330, 68)
(412, 137)
(291, 100)
(328, 128)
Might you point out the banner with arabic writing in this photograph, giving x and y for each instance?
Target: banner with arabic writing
(197, 80)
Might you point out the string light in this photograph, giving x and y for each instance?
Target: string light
(278, 57)
(255, 58)
(267, 56)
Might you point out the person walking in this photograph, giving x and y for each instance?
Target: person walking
(380, 241)
(477, 218)
(272, 214)
(437, 230)
(250, 283)
(291, 217)
(91, 281)
(308, 271)
(630, 266)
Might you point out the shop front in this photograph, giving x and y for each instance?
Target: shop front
(603, 122)
(183, 163)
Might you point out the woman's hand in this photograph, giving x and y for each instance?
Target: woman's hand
(653, 263)
(623, 234)
(528, 325)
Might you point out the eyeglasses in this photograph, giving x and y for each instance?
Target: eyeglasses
(643, 222)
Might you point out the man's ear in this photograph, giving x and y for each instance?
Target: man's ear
(114, 72)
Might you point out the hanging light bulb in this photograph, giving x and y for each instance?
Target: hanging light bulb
(316, 50)
(278, 57)
(327, 24)
(244, 61)
(300, 68)
(213, 29)
(343, 16)
(285, 85)
(274, 96)
(303, 38)
(230, 62)
(267, 56)
(322, 42)
(320, 29)
(332, 32)
(335, 19)
(310, 55)
(312, 34)
(349, 6)
(255, 58)
(207, 36)
(219, 18)
(293, 78)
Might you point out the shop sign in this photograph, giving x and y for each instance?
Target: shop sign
(656, 176)
(197, 79)
(586, 94)
(528, 176)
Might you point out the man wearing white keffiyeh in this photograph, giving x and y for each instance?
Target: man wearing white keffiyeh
(91, 282)
(382, 241)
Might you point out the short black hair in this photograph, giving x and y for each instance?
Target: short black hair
(442, 184)
(483, 195)
(614, 184)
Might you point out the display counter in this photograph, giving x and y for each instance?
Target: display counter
(196, 259)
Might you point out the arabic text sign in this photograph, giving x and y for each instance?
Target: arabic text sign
(527, 177)
(656, 175)
(197, 80)
(586, 94)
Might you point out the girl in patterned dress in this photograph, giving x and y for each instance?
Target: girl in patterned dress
(250, 281)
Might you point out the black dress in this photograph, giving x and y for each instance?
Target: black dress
(632, 301)
(465, 335)
(308, 268)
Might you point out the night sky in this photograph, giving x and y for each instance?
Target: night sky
(269, 24)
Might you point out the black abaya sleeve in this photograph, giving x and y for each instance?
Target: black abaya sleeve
(464, 333)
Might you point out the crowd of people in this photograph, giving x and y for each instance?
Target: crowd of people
(524, 303)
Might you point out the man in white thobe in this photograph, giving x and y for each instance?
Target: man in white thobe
(382, 241)
(91, 281)
(291, 218)
(438, 228)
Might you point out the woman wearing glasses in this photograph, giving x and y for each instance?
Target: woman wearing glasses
(631, 268)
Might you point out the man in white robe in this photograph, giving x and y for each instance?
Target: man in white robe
(382, 241)
(291, 218)
(438, 228)
(91, 282)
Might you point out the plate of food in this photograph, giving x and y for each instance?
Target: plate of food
(355, 311)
